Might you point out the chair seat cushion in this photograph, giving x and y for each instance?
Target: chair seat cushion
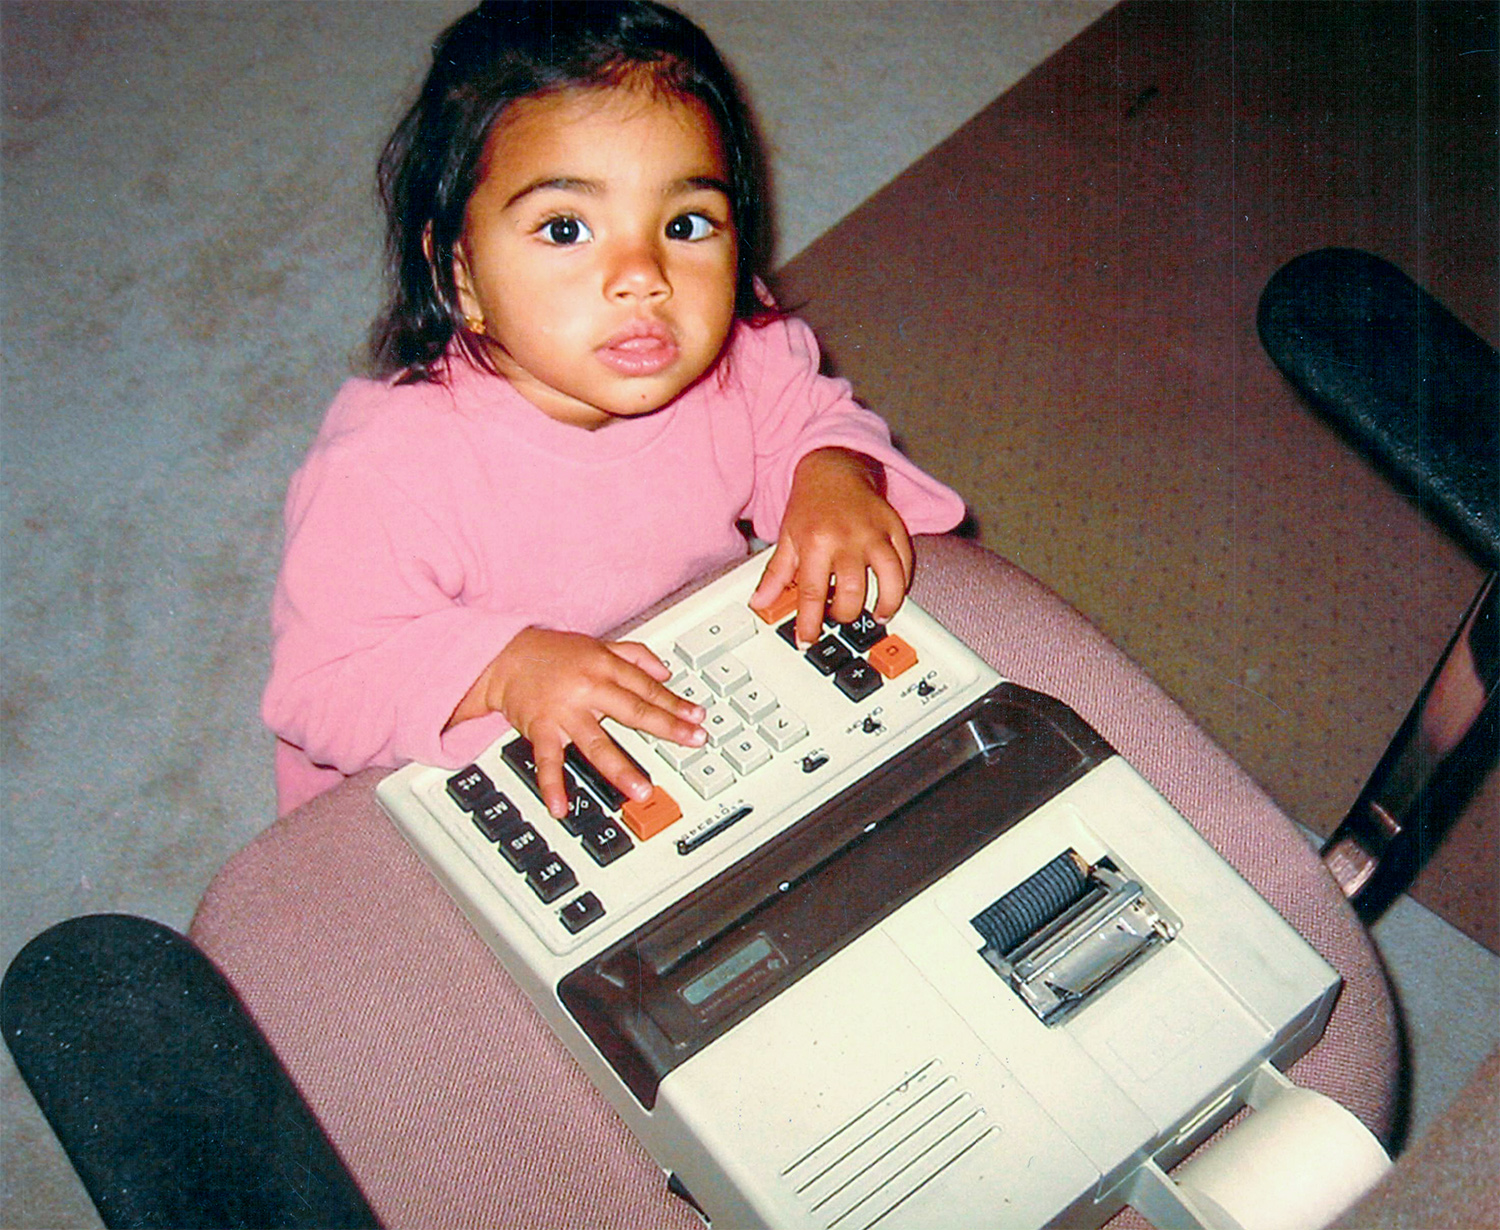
(455, 1106)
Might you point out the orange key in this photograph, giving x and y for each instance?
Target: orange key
(891, 656)
(781, 606)
(647, 817)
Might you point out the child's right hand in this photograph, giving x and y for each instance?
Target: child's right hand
(554, 687)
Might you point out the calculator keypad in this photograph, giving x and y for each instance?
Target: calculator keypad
(749, 728)
(746, 726)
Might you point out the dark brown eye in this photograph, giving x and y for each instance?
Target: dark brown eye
(690, 227)
(565, 231)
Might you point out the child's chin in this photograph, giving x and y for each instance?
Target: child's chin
(636, 403)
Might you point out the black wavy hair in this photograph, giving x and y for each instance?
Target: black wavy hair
(503, 51)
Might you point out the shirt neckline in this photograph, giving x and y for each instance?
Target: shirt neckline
(480, 395)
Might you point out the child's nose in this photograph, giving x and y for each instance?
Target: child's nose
(638, 272)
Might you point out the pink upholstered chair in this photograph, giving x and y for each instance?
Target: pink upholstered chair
(453, 1104)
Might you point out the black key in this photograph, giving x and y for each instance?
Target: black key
(524, 848)
(606, 842)
(603, 788)
(857, 678)
(498, 818)
(788, 630)
(519, 756)
(470, 788)
(863, 632)
(551, 878)
(580, 912)
(584, 812)
(829, 654)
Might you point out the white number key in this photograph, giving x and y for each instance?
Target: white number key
(747, 751)
(708, 775)
(732, 626)
(753, 702)
(726, 673)
(722, 724)
(675, 754)
(783, 728)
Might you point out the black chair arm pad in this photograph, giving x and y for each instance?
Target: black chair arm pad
(1404, 379)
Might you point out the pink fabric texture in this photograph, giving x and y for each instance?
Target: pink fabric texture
(455, 1106)
(430, 523)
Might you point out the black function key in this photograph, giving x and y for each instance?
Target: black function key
(470, 788)
(606, 842)
(856, 678)
(580, 912)
(829, 654)
(524, 848)
(551, 878)
(863, 632)
(498, 818)
(584, 811)
(519, 756)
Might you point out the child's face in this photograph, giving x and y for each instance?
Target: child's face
(598, 251)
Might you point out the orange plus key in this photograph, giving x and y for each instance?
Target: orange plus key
(891, 656)
(647, 817)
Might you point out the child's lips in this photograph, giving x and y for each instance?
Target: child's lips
(642, 349)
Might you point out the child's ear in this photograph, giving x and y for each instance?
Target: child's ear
(463, 281)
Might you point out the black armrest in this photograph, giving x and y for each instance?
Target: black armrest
(163, 1093)
(1412, 386)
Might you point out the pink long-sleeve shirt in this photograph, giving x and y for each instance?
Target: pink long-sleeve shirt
(432, 522)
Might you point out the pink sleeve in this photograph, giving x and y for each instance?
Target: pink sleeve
(373, 648)
(796, 410)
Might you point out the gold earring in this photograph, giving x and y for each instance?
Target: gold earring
(474, 324)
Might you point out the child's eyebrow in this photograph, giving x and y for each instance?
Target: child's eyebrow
(592, 187)
(699, 183)
(561, 183)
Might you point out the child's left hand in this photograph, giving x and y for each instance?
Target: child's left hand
(837, 525)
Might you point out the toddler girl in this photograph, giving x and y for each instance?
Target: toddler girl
(584, 390)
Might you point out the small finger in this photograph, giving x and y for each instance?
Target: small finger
(548, 756)
(641, 658)
(648, 685)
(781, 568)
(656, 712)
(638, 697)
(814, 574)
(892, 580)
(812, 603)
(605, 755)
(848, 591)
